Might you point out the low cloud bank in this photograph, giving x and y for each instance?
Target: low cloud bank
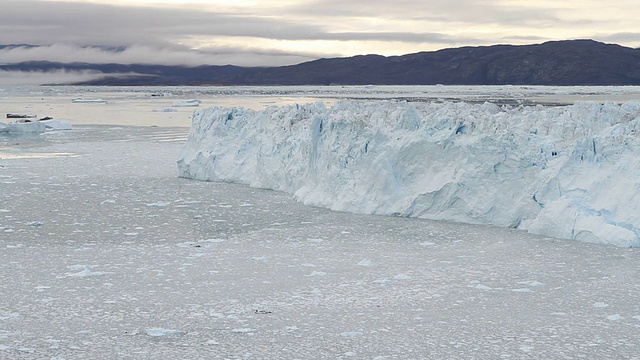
(150, 55)
(31, 78)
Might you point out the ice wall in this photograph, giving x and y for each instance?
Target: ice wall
(569, 172)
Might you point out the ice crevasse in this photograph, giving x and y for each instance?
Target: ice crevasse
(570, 172)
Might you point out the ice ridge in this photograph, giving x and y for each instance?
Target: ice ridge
(566, 171)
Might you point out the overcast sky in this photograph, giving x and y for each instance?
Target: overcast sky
(279, 32)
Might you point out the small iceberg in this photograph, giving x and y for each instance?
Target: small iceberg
(186, 103)
(163, 332)
(167, 109)
(94, 101)
(35, 127)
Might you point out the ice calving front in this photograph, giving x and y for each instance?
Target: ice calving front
(567, 171)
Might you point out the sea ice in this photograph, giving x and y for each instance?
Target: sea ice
(565, 171)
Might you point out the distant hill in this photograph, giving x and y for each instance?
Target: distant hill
(571, 62)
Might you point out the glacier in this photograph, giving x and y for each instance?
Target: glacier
(570, 172)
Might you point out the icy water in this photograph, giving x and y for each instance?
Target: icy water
(144, 106)
(106, 254)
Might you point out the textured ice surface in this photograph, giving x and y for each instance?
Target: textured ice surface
(228, 267)
(569, 172)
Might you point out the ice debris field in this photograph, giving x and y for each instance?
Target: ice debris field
(563, 171)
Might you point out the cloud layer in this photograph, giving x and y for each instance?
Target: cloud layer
(270, 33)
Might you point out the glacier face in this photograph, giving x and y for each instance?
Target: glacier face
(569, 172)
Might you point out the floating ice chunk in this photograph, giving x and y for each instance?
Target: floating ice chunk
(8, 315)
(366, 263)
(167, 109)
(351, 334)
(600, 305)
(243, 331)
(163, 332)
(34, 127)
(402, 277)
(522, 290)
(84, 271)
(159, 204)
(90, 101)
(80, 267)
(212, 241)
(615, 317)
(382, 281)
(526, 349)
(186, 103)
(482, 287)
(318, 273)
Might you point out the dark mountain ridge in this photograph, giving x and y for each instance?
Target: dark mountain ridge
(570, 62)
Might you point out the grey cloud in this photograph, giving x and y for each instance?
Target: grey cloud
(450, 11)
(433, 38)
(95, 24)
(87, 24)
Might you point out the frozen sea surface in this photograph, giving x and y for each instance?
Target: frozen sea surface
(106, 254)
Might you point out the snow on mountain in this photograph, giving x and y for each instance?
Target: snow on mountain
(568, 172)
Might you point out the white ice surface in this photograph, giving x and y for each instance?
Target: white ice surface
(568, 171)
(222, 271)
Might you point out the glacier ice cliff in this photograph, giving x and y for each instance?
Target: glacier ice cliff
(570, 172)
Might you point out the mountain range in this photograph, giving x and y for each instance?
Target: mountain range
(569, 62)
